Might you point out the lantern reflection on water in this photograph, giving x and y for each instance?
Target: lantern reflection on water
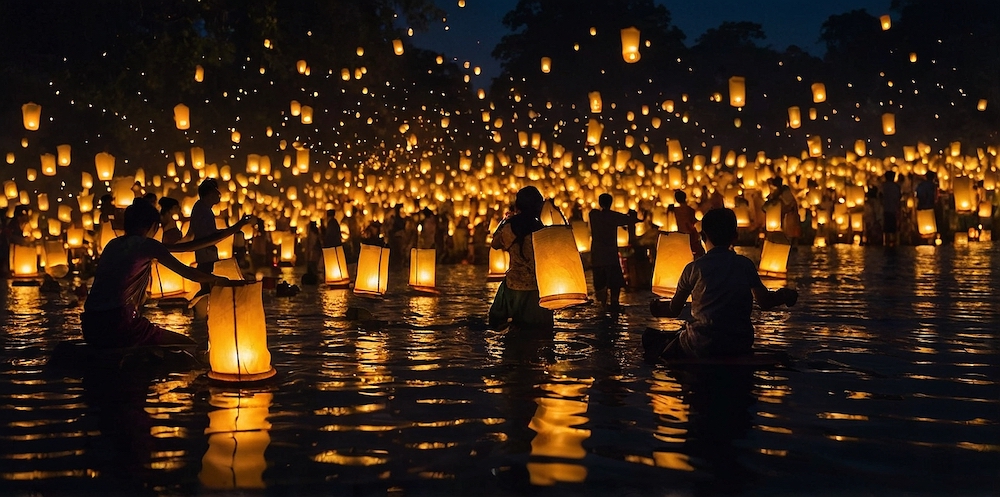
(237, 336)
(373, 271)
(558, 268)
(554, 423)
(335, 264)
(237, 438)
(422, 266)
(673, 253)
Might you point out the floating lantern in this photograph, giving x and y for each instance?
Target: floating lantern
(301, 66)
(23, 261)
(498, 264)
(237, 337)
(63, 154)
(981, 105)
(197, 157)
(373, 271)
(888, 124)
(32, 115)
(105, 164)
(926, 224)
(397, 46)
(48, 164)
(546, 64)
(236, 136)
(885, 21)
(774, 259)
(581, 233)
(237, 438)
(74, 237)
(596, 105)
(674, 151)
(742, 216)
(819, 92)
(673, 253)
(558, 268)
(985, 209)
(551, 216)
(621, 237)
(422, 266)
(737, 91)
(199, 73)
(772, 217)
(295, 108)
(182, 116)
(164, 283)
(965, 194)
(121, 190)
(630, 44)
(594, 132)
(287, 243)
(335, 264)
(815, 144)
(306, 115)
(10, 189)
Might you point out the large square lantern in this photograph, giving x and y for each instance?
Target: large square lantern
(673, 253)
(335, 264)
(373, 271)
(237, 335)
(499, 263)
(422, 266)
(774, 259)
(558, 268)
(926, 224)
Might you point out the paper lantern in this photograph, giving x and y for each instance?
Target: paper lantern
(965, 194)
(74, 237)
(86, 203)
(630, 44)
(121, 190)
(888, 124)
(10, 189)
(581, 233)
(737, 91)
(815, 144)
(336, 267)
(985, 209)
(306, 114)
(594, 132)
(819, 92)
(56, 259)
(63, 154)
(551, 216)
(197, 157)
(885, 21)
(237, 438)
(673, 253)
(301, 66)
(164, 283)
(742, 216)
(23, 261)
(182, 116)
(558, 268)
(55, 227)
(105, 164)
(237, 336)
(981, 105)
(546, 64)
(199, 73)
(397, 46)
(621, 237)
(926, 224)
(287, 243)
(373, 271)
(498, 264)
(422, 266)
(794, 117)
(596, 104)
(32, 115)
(48, 164)
(675, 153)
(774, 259)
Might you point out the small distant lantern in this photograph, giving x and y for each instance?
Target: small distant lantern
(546, 64)
(23, 261)
(621, 237)
(981, 106)
(888, 124)
(885, 21)
(32, 115)
(48, 164)
(63, 154)
(10, 189)
(673, 253)
(422, 267)
(11, 157)
(301, 66)
(498, 264)
(737, 91)
(235, 136)
(287, 244)
(819, 92)
(182, 116)
(596, 105)
(630, 44)
(913, 56)
(815, 144)
(397, 46)
(295, 108)
(306, 115)
(373, 271)
(558, 268)
(985, 209)
(43, 202)
(675, 153)
(774, 259)
(105, 164)
(965, 194)
(56, 259)
(199, 73)
(237, 336)
(335, 264)
(237, 438)
(860, 147)
(164, 283)
(926, 224)
(772, 217)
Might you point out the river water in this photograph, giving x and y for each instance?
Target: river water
(892, 389)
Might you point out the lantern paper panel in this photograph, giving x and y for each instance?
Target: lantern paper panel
(164, 283)
(373, 271)
(23, 261)
(228, 268)
(581, 232)
(673, 253)
(926, 224)
(498, 264)
(237, 335)
(965, 194)
(774, 259)
(558, 268)
(422, 267)
(335, 265)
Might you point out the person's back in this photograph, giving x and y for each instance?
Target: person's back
(926, 192)
(891, 197)
(122, 274)
(604, 225)
(720, 283)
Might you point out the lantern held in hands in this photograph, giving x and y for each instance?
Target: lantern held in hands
(673, 253)
(558, 268)
(774, 259)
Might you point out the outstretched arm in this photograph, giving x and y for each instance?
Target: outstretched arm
(669, 308)
(769, 300)
(206, 241)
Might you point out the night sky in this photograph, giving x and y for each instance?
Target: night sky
(470, 33)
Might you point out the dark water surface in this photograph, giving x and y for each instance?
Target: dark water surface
(893, 389)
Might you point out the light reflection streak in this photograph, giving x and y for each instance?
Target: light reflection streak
(561, 410)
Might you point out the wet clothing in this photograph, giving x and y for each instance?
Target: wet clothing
(721, 286)
(517, 297)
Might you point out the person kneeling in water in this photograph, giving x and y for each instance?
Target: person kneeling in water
(111, 316)
(722, 285)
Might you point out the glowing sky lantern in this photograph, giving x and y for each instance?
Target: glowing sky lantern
(737, 91)
(965, 194)
(630, 44)
(596, 105)
(31, 114)
(182, 116)
(199, 73)
(105, 165)
(815, 145)
(237, 337)
(594, 132)
(885, 21)
(63, 157)
(499, 262)
(546, 64)
(926, 224)
(981, 105)
(301, 66)
(794, 117)
(306, 114)
(673, 252)
(397, 46)
(819, 92)
(888, 124)
(48, 164)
